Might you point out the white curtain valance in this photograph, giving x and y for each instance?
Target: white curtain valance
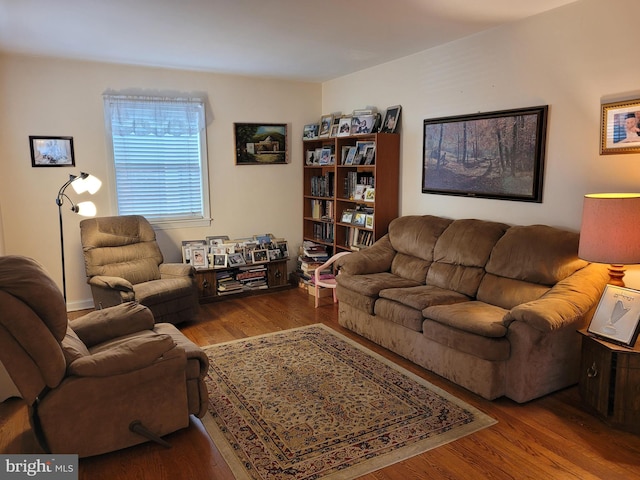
(159, 116)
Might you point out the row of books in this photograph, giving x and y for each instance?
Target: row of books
(322, 209)
(322, 185)
(245, 278)
(323, 232)
(355, 182)
(358, 238)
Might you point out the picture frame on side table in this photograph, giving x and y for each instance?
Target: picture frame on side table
(235, 260)
(620, 129)
(617, 318)
(51, 151)
(261, 143)
(199, 258)
(515, 139)
(259, 256)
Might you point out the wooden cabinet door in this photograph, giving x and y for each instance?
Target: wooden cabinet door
(595, 374)
(277, 274)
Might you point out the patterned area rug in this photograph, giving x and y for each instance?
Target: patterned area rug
(309, 403)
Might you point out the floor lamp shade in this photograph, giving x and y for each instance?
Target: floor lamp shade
(610, 231)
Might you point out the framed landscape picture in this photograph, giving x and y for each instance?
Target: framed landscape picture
(489, 155)
(261, 143)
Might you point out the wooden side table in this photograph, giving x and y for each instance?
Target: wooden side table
(610, 381)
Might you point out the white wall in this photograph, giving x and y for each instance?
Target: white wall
(59, 97)
(573, 59)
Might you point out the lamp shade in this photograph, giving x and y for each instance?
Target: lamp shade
(87, 209)
(610, 231)
(86, 183)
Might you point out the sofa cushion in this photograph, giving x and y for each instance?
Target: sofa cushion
(488, 348)
(461, 253)
(474, 317)
(371, 284)
(398, 313)
(536, 253)
(423, 296)
(416, 236)
(413, 268)
(507, 293)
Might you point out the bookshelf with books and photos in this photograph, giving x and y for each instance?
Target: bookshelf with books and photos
(351, 179)
(227, 266)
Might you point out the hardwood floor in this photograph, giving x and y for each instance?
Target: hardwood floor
(552, 438)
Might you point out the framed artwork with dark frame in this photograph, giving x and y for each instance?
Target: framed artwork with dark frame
(496, 155)
(617, 318)
(52, 151)
(620, 130)
(261, 143)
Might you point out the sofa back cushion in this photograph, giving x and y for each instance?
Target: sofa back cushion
(414, 237)
(461, 253)
(526, 262)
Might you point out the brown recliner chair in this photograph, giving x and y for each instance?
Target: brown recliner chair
(124, 264)
(106, 381)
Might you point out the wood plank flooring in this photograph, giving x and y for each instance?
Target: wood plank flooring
(550, 438)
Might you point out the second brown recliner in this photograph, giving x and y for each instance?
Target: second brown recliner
(124, 263)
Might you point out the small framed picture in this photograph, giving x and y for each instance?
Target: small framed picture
(347, 216)
(235, 260)
(359, 219)
(370, 155)
(52, 151)
(617, 318)
(259, 256)
(620, 127)
(283, 246)
(217, 239)
(391, 119)
(310, 132)
(325, 126)
(325, 156)
(344, 126)
(362, 124)
(219, 260)
(369, 194)
(368, 222)
(199, 257)
(274, 254)
(186, 248)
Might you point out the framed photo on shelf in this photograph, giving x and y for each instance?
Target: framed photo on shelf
(219, 260)
(369, 194)
(347, 216)
(522, 132)
(325, 156)
(617, 318)
(391, 119)
(235, 260)
(362, 124)
(310, 132)
(259, 256)
(344, 126)
(370, 155)
(216, 239)
(283, 246)
(620, 130)
(325, 126)
(359, 219)
(52, 151)
(186, 248)
(261, 143)
(351, 154)
(199, 258)
(368, 222)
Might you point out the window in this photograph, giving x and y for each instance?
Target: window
(159, 158)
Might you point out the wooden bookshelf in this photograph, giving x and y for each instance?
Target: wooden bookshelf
(328, 190)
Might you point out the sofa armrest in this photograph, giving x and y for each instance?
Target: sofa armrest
(112, 322)
(111, 283)
(374, 259)
(176, 270)
(128, 356)
(567, 302)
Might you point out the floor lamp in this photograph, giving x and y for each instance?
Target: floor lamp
(80, 183)
(610, 232)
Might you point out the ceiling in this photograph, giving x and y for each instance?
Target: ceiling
(295, 39)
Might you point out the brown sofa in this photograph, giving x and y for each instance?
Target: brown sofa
(491, 307)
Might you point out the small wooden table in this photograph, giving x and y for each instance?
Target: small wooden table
(610, 381)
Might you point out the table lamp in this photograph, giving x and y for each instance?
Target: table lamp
(610, 232)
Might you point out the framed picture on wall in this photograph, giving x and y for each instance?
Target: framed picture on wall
(51, 151)
(496, 155)
(261, 143)
(620, 132)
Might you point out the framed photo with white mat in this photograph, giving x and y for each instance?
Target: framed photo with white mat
(617, 318)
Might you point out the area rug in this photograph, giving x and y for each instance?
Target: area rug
(309, 403)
